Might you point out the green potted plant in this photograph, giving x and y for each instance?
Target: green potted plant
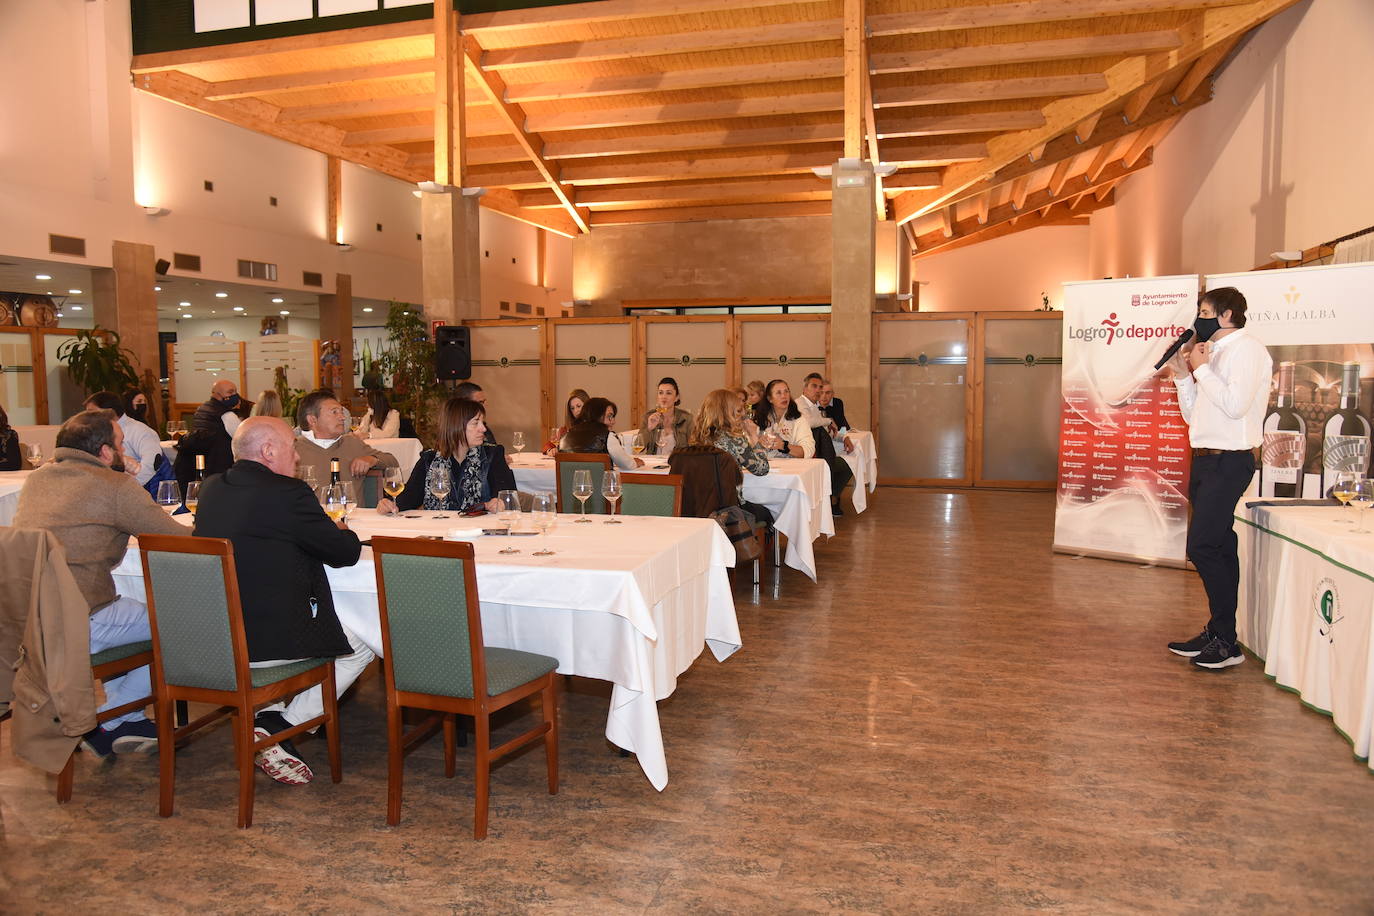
(96, 361)
(410, 363)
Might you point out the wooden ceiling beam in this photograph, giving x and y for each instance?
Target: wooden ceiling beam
(1060, 216)
(1202, 68)
(503, 201)
(1060, 175)
(318, 79)
(495, 90)
(599, 11)
(1100, 161)
(1019, 187)
(697, 214)
(1137, 101)
(358, 108)
(982, 203)
(1026, 12)
(946, 223)
(797, 186)
(424, 133)
(854, 69)
(1204, 32)
(265, 49)
(1023, 52)
(1083, 131)
(1021, 87)
(933, 125)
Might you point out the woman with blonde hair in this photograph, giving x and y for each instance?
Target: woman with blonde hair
(572, 410)
(268, 405)
(721, 422)
(754, 393)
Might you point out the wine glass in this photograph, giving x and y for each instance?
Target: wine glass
(1362, 499)
(306, 472)
(393, 483)
(610, 488)
(350, 500)
(355, 422)
(545, 513)
(510, 514)
(1343, 490)
(335, 501)
(517, 441)
(168, 495)
(582, 489)
(440, 482)
(35, 455)
(192, 495)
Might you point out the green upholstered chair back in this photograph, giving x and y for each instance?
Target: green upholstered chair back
(369, 489)
(192, 614)
(639, 497)
(569, 503)
(427, 620)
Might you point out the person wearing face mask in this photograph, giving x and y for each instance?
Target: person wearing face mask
(136, 406)
(477, 469)
(1223, 390)
(211, 434)
(92, 507)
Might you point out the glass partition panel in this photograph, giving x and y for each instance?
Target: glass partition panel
(65, 397)
(923, 399)
(17, 384)
(199, 362)
(692, 352)
(783, 348)
(263, 355)
(595, 357)
(505, 362)
(1021, 366)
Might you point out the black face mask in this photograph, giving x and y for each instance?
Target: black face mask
(1206, 327)
(139, 412)
(231, 402)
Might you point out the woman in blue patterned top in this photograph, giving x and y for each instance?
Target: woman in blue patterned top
(477, 470)
(721, 422)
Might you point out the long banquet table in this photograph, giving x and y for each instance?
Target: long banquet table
(11, 482)
(1306, 602)
(632, 604)
(795, 490)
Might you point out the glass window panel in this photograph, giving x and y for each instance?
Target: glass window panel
(1021, 399)
(65, 397)
(922, 399)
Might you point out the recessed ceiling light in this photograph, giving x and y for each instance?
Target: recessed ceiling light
(186, 315)
(42, 276)
(73, 292)
(59, 314)
(157, 289)
(75, 308)
(184, 305)
(213, 312)
(221, 295)
(367, 308)
(283, 312)
(238, 308)
(278, 300)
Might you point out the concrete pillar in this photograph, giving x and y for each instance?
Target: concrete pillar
(450, 256)
(336, 324)
(123, 301)
(852, 239)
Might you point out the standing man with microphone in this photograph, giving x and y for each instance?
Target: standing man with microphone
(1223, 389)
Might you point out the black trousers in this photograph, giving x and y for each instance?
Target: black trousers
(840, 473)
(1217, 483)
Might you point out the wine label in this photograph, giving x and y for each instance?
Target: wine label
(1345, 453)
(1281, 475)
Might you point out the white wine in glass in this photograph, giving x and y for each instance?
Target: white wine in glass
(393, 483)
(193, 495)
(582, 489)
(1344, 490)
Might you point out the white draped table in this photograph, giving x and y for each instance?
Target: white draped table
(11, 482)
(1306, 601)
(863, 461)
(405, 451)
(795, 490)
(632, 604)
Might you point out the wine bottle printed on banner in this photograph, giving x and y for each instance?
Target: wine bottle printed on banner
(1345, 435)
(1285, 442)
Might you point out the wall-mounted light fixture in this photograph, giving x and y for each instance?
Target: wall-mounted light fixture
(156, 211)
(344, 246)
(1286, 255)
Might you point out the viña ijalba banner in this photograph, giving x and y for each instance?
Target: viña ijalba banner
(1123, 447)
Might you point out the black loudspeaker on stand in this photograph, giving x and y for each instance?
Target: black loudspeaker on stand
(452, 353)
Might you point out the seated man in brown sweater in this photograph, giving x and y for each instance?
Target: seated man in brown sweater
(84, 498)
(324, 424)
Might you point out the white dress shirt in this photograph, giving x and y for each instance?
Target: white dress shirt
(810, 412)
(142, 445)
(231, 421)
(1224, 400)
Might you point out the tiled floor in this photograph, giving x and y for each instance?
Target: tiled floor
(954, 720)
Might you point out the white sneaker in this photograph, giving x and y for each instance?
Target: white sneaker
(279, 763)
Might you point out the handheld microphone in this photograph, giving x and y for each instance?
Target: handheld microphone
(1183, 338)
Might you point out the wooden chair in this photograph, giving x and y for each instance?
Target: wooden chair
(200, 654)
(565, 464)
(434, 659)
(651, 494)
(108, 663)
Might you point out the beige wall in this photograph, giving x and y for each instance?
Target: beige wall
(1278, 160)
(725, 259)
(1008, 273)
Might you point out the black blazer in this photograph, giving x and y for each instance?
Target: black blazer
(835, 411)
(282, 541)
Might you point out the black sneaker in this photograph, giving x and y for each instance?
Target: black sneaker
(99, 743)
(1190, 648)
(1219, 654)
(136, 737)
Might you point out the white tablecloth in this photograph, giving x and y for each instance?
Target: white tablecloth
(406, 451)
(632, 604)
(795, 490)
(863, 461)
(11, 482)
(1306, 601)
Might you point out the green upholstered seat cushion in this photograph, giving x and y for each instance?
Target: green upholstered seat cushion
(509, 668)
(647, 499)
(261, 677)
(115, 653)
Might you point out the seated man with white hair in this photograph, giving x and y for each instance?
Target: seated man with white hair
(282, 541)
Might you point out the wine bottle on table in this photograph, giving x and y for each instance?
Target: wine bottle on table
(200, 467)
(1285, 442)
(333, 471)
(1345, 435)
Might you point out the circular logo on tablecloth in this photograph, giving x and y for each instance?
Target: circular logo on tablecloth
(1326, 601)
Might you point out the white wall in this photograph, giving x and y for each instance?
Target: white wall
(1008, 273)
(1278, 160)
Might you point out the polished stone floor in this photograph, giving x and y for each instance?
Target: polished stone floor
(953, 720)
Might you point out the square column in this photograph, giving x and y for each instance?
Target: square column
(336, 324)
(450, 256)
(852, 245)
(123, 301)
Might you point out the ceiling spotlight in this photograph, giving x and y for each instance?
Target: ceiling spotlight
(277, 300)
(367, 308)
(237, 308)
(283, 312)
(42, 276)
(221, 295)
(74, 308)
(74, 292)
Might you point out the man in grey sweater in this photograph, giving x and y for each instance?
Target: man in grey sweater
(84, 498)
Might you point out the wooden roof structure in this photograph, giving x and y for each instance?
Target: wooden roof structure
(998, 115)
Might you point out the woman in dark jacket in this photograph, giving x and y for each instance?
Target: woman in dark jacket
(9, 445)
(477, 470)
